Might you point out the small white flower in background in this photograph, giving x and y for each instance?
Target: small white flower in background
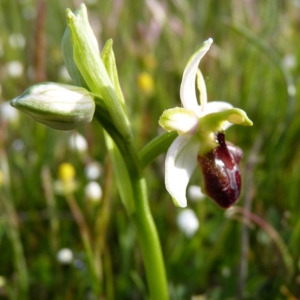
(60, 106)
(93, 191)
(289, 61)
(14, 69)
(8, 114)
(188, 222)
(65, 256)
(77, 142)
(195, 193)
(17, 40)
(93, 170)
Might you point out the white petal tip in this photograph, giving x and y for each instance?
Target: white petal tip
(209, 41)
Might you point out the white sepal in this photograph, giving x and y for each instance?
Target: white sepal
(179, 119)
(181, 160)
(187, 88)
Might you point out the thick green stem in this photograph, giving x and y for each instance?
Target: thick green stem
(150, 245)
(139, 212)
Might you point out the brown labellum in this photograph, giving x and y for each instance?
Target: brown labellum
(222, 178)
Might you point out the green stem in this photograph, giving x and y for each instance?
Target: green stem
(139, 212)
(150, 245)
(141, 216)
(156, 147)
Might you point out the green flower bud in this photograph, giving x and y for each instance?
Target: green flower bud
(60, 106)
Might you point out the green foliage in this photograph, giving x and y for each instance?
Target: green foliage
(253, 64)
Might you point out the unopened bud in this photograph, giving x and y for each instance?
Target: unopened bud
(60, 106)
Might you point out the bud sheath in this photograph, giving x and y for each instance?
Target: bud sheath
(60, 106)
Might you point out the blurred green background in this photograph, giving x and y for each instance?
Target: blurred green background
(251, 252)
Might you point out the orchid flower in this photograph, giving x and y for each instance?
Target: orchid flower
(201, 140)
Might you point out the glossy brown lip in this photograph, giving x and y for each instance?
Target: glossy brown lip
(222, 178)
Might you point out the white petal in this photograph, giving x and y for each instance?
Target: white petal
(187, 88)
(179, 119)
(181, 160)
(217, 106)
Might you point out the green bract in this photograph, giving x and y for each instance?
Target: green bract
(60, 106)
(87, 68)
